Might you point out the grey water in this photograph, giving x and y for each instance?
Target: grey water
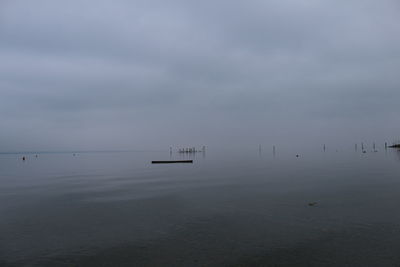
(232, 208)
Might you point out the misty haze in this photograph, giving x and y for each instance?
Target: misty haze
(199, 133)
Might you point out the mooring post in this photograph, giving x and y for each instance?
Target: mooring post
(385, 145)
(362, 146)
(324, 147)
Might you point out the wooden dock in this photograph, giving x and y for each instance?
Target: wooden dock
(170, 161)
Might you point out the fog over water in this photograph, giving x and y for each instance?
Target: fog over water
(149, 74)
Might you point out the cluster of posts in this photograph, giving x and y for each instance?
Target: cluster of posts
(363, 147)
(24, 157)
(189, 150)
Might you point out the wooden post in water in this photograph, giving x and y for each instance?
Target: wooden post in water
(362, 146)
(324, 147)
(385, 145)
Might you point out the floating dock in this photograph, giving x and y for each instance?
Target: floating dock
(170, 161)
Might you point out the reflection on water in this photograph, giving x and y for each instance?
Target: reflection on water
(226, 209)
(398, 153)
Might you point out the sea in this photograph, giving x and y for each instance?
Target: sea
(228, 208)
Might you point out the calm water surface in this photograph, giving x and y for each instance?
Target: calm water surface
(226, 209)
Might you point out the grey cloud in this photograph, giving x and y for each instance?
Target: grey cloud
(209, 68)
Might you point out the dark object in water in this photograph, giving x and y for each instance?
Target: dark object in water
(171, 161)
(364, 151)
(297, 156)
(395, 146)
(312, 203)
(23, 158)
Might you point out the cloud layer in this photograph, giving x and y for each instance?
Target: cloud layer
(150, 74)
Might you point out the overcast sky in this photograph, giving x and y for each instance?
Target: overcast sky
(147, 74)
